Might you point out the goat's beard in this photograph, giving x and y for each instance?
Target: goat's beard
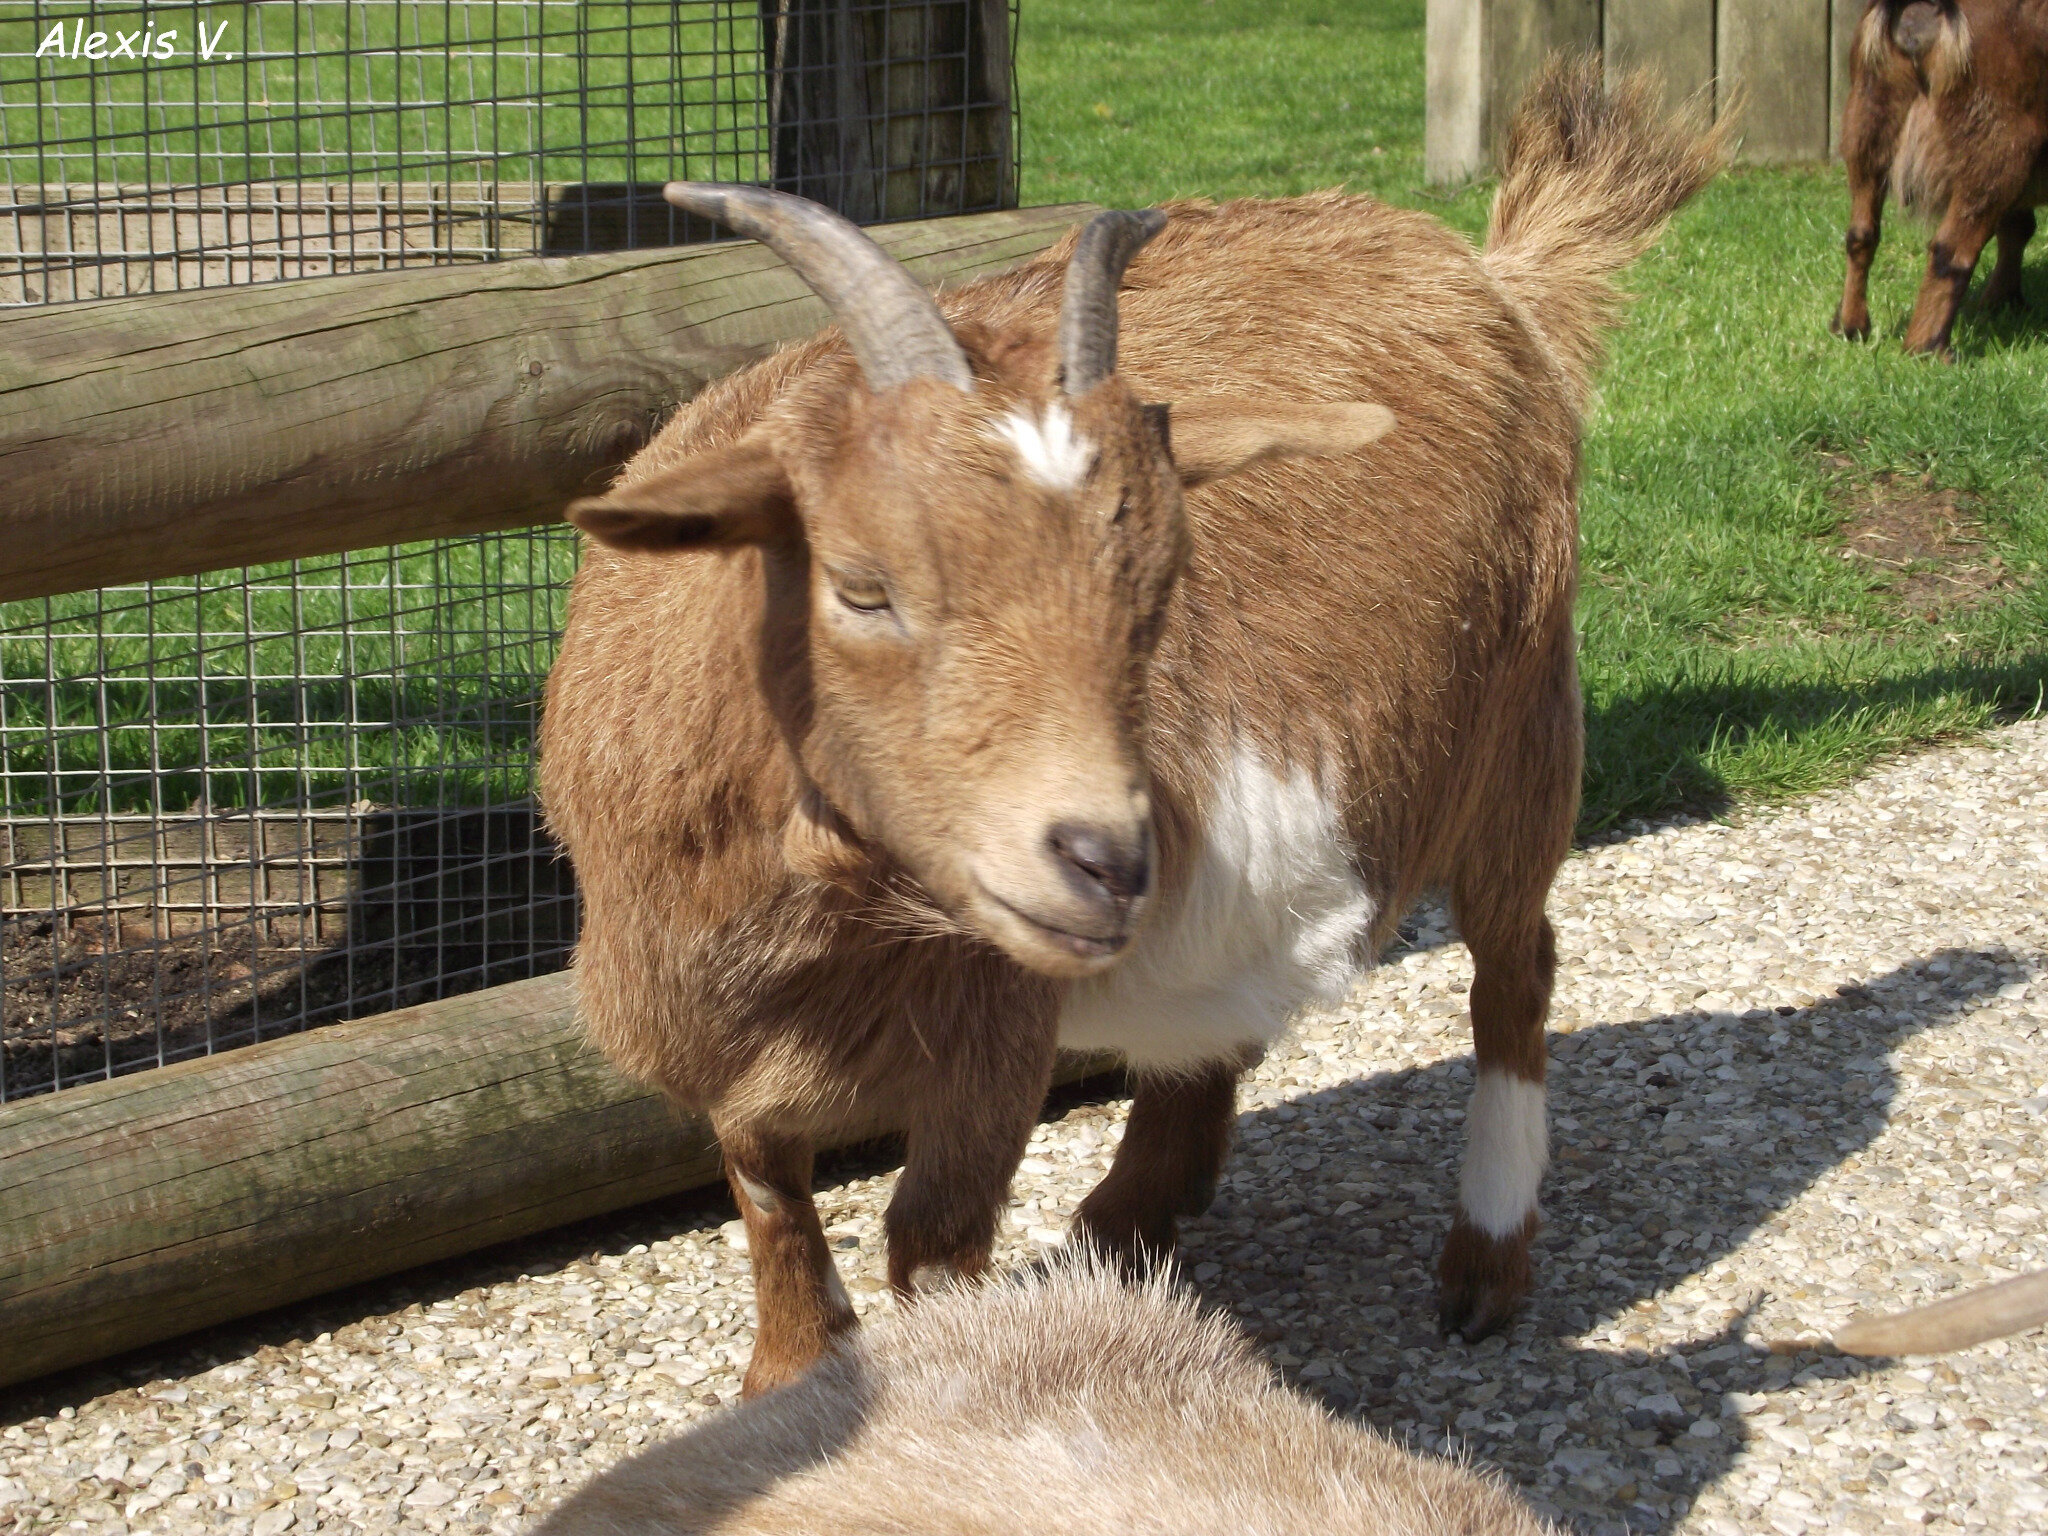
(901, 907)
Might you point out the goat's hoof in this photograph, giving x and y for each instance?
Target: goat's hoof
(1939, 349)
(914, 1272)
(1850, 330)
(1482, 1280)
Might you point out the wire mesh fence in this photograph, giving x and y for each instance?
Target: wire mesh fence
(238, 804)
(149, 147)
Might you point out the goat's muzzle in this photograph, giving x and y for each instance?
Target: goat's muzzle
(1073, 909)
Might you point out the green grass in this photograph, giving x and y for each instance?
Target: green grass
(406, 676)
(1729, 652)
(519, 89)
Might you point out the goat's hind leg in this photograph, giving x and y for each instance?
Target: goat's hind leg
(1172, 1154)
(1498, 891)
(1870, 136)
(2003, 289)
(1859, 245)
(798, 1298)
(1952, 255)
(1485, 1272)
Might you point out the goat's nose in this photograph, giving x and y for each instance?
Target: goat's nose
(1103, 866)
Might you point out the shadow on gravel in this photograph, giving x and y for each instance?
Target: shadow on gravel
(1658, 1173)
(1643, 1192)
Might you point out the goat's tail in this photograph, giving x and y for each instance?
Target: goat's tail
(1589, 178)
(1930, 37)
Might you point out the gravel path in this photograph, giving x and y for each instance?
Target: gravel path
(1800, 1070)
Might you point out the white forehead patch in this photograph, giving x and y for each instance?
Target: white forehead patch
(1049, 448)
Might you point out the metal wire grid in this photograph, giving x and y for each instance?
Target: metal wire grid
(288, 138)
(243, 803)
(236, 805)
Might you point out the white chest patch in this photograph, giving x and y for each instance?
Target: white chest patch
(1273, 917)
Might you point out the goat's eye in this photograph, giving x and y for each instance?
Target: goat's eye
(864, 594)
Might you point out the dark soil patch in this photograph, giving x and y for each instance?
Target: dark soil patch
(78, 1005)
(440, 901)
(1925, 543)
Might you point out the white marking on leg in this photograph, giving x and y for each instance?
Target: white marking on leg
(763, 1199)
(1048, 447)
(1507, 1146)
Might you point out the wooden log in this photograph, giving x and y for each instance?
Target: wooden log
(135, 1210)
(188, 432)
(890, 109)
(105, 240)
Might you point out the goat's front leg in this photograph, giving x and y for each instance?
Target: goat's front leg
(965, 1140)
(2003, 289)
(1172, 1154)
(798, 1300)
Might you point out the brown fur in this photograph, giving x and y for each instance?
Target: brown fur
(783, 814)
(1063, 1402)
(1948, 108)
(1580, 170)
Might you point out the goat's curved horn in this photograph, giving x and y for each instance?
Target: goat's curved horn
(1088, 308)
(896, 331)
(1989, 1312)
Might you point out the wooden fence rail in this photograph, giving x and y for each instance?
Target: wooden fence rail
(1787, 59)
(188, 432)
(135, 1210)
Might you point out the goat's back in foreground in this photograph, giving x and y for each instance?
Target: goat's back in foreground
(1064, 1402)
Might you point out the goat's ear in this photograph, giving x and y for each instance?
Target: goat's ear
(728, 496)
(1214, 438)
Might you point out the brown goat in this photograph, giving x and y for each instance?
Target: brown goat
(1062, 1403)
(911, 721)
(1948, 106)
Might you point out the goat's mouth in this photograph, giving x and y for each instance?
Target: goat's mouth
(1083, 953)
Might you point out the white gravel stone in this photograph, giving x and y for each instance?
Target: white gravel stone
(1799, 1070)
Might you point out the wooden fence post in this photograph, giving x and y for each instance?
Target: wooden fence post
(890, 110)
(1673, 37)
(1479, 56)
(1775, 54)
(1787, 59)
